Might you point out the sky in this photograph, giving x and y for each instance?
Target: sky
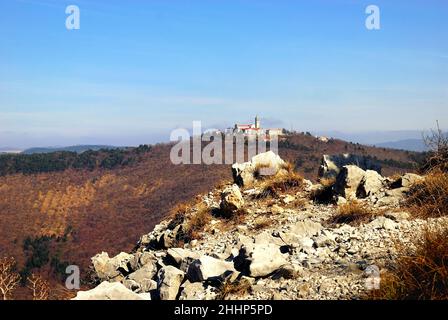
(135, 69)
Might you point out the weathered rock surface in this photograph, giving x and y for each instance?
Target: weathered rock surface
(231, 199)
(110, 291)
(262, 259)
(208, 268)
(245, 174)
(111, 268)
(331, 165)
(170, 279)
(280, 250)
(143, 277)
(371, 184)
(348, 181)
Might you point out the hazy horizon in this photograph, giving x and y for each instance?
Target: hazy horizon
(363, 137)
(134, 72)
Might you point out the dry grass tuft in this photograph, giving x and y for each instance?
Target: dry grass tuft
(232, 219)
(196, 222)
(327, 182)
(353, 213)
(421, 270)
(286, 180)
(233, 289)
(429, 198)
(262, 223)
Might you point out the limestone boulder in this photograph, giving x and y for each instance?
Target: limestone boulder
(196, 291)
(231, 199)
(182, 258)
(331, 165)
(348, 181)
(260, 260)
(169, 281)
(143, 277)
(371, 184)
(110, 291)
(107, 268)
(209, 268)
(267, 163)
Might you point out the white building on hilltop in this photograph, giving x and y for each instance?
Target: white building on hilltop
(256, 129)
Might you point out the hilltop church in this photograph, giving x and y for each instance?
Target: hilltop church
(256, 129)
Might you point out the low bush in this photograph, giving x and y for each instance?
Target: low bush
(421, 270)
(353, 213)
(429, 198)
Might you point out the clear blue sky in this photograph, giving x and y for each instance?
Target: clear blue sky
(137, 69)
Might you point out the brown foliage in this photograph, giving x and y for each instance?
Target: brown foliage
(420, 271)
(284, 181)
(197, 221)
(429, 198)
(237, 288)
(9, 279)
(353, 213)
(262, 223)
(107, 210)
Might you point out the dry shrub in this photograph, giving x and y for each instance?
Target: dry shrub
(420, 271)
(261, 223)
(40, 288)
(286, 180)
(197, 221)
(9, 278)
(437, 159)
(237, 288)
(353, 213)
(232, 219)
(177, 214)
(429, 198)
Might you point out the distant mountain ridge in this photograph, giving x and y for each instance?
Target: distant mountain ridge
(417, 145)
(77, 149)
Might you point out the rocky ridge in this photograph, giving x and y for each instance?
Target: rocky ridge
(282, 246)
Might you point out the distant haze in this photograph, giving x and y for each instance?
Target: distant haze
(136, 70)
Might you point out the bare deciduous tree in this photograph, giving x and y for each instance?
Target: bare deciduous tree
(39, 287)
(9, 279)
(437, 142)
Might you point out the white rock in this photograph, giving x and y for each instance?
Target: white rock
(110, 268)
(371, 184)
(208, 268)
(109, 291)
(263, 259)
(143, 277)
(348, 181)
(231, 199)
(169, 282)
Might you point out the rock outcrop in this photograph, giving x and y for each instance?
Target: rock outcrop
(170, 279)
(284, 247)
(331, 165)
(348, 181)
(111, 268)
(268, 163)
